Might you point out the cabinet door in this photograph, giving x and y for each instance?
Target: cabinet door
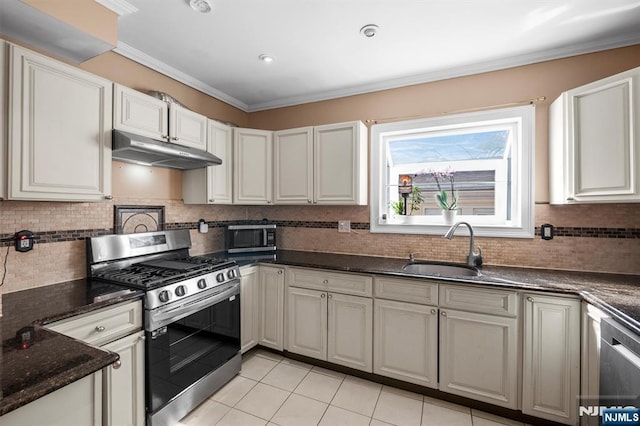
(307, 322)
(123, 384)
(594, 142)
(479, 357)
(187, 128)
(272, 307)
(249, 308)
(293, 166)
(398, 326)
(78, 403)
(551, 358)
(3, 119)
(590, 362)
(340, 163)
(60, 123)
(213, 184)
(141, 114)
(252, 166)
(350, 331)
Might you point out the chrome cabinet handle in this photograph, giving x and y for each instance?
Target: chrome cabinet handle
(116, 365)
(108, 197)
(433, 311)
(100, 328)
(529, 299)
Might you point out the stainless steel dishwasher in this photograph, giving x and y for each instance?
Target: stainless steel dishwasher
(619, 365)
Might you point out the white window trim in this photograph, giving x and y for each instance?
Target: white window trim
(523, 160)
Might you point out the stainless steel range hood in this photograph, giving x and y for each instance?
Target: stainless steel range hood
(151, 152)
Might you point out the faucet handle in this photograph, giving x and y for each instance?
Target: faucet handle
(412, 256)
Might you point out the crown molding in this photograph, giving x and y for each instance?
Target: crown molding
(153, 63)
(444, 74)
(121, 7)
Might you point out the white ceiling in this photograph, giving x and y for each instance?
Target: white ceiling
(320, 53)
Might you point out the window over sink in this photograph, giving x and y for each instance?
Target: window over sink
(479, 164)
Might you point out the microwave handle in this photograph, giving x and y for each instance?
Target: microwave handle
(264, 237)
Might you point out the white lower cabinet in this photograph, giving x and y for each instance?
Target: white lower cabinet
(325, 323)
(249, 307)
(331, 326)
(551, 358)
(124, 383)
(479, 356)
(116, 328)
(78, 403)
(590, 362)
(399, 326)
(271, 310)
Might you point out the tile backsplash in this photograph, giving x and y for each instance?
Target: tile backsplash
(604, 238)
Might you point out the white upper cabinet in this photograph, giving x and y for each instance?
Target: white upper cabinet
(340, 163)
(293, 166)
(321, 165)
(141, 114)
(59, 124)
(252, 166)
(145, 115)
(213, 184)
(594, 142)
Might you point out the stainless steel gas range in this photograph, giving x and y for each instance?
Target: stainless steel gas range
(191, 315)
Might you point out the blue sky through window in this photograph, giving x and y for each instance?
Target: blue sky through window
(471, 146)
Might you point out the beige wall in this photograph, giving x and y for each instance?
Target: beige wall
(136, 185)
(486, 90)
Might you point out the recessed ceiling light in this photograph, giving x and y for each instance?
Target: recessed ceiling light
(369, 30)
(266, 58)
(202, 6)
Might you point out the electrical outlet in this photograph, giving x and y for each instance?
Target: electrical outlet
(344, 226)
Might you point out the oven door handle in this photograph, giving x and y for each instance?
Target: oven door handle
(163, 316)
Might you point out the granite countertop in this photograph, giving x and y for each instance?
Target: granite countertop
(617, 294)
(52, 360)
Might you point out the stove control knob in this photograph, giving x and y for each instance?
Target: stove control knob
(220, 277)
(164, 296)
(181, 291)
(202, 284)
(231, 274)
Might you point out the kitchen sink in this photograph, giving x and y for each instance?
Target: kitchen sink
(440, 269)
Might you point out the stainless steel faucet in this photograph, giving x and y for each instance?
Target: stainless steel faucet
(473, 259)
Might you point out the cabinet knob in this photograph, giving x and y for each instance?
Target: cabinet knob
(100, 328)
(529, 299)
(433, 311)
(444, 314)
(211, 200)
(117, 364)
(280, 272)
(325, 281)
(174, 138)
(309, 201)
(330, 296)
(322, 296)
(108, 197)
(165, 137)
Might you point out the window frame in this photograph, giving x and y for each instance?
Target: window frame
(522, 163)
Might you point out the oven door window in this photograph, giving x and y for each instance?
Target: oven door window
(189, 349)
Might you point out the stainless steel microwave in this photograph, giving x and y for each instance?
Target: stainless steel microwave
(250, 238)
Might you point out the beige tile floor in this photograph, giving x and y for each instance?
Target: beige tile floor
(272, 390)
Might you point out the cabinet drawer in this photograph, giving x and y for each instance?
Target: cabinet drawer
(104, 325)
(359, 285)
(423, 292)
(483, 300)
